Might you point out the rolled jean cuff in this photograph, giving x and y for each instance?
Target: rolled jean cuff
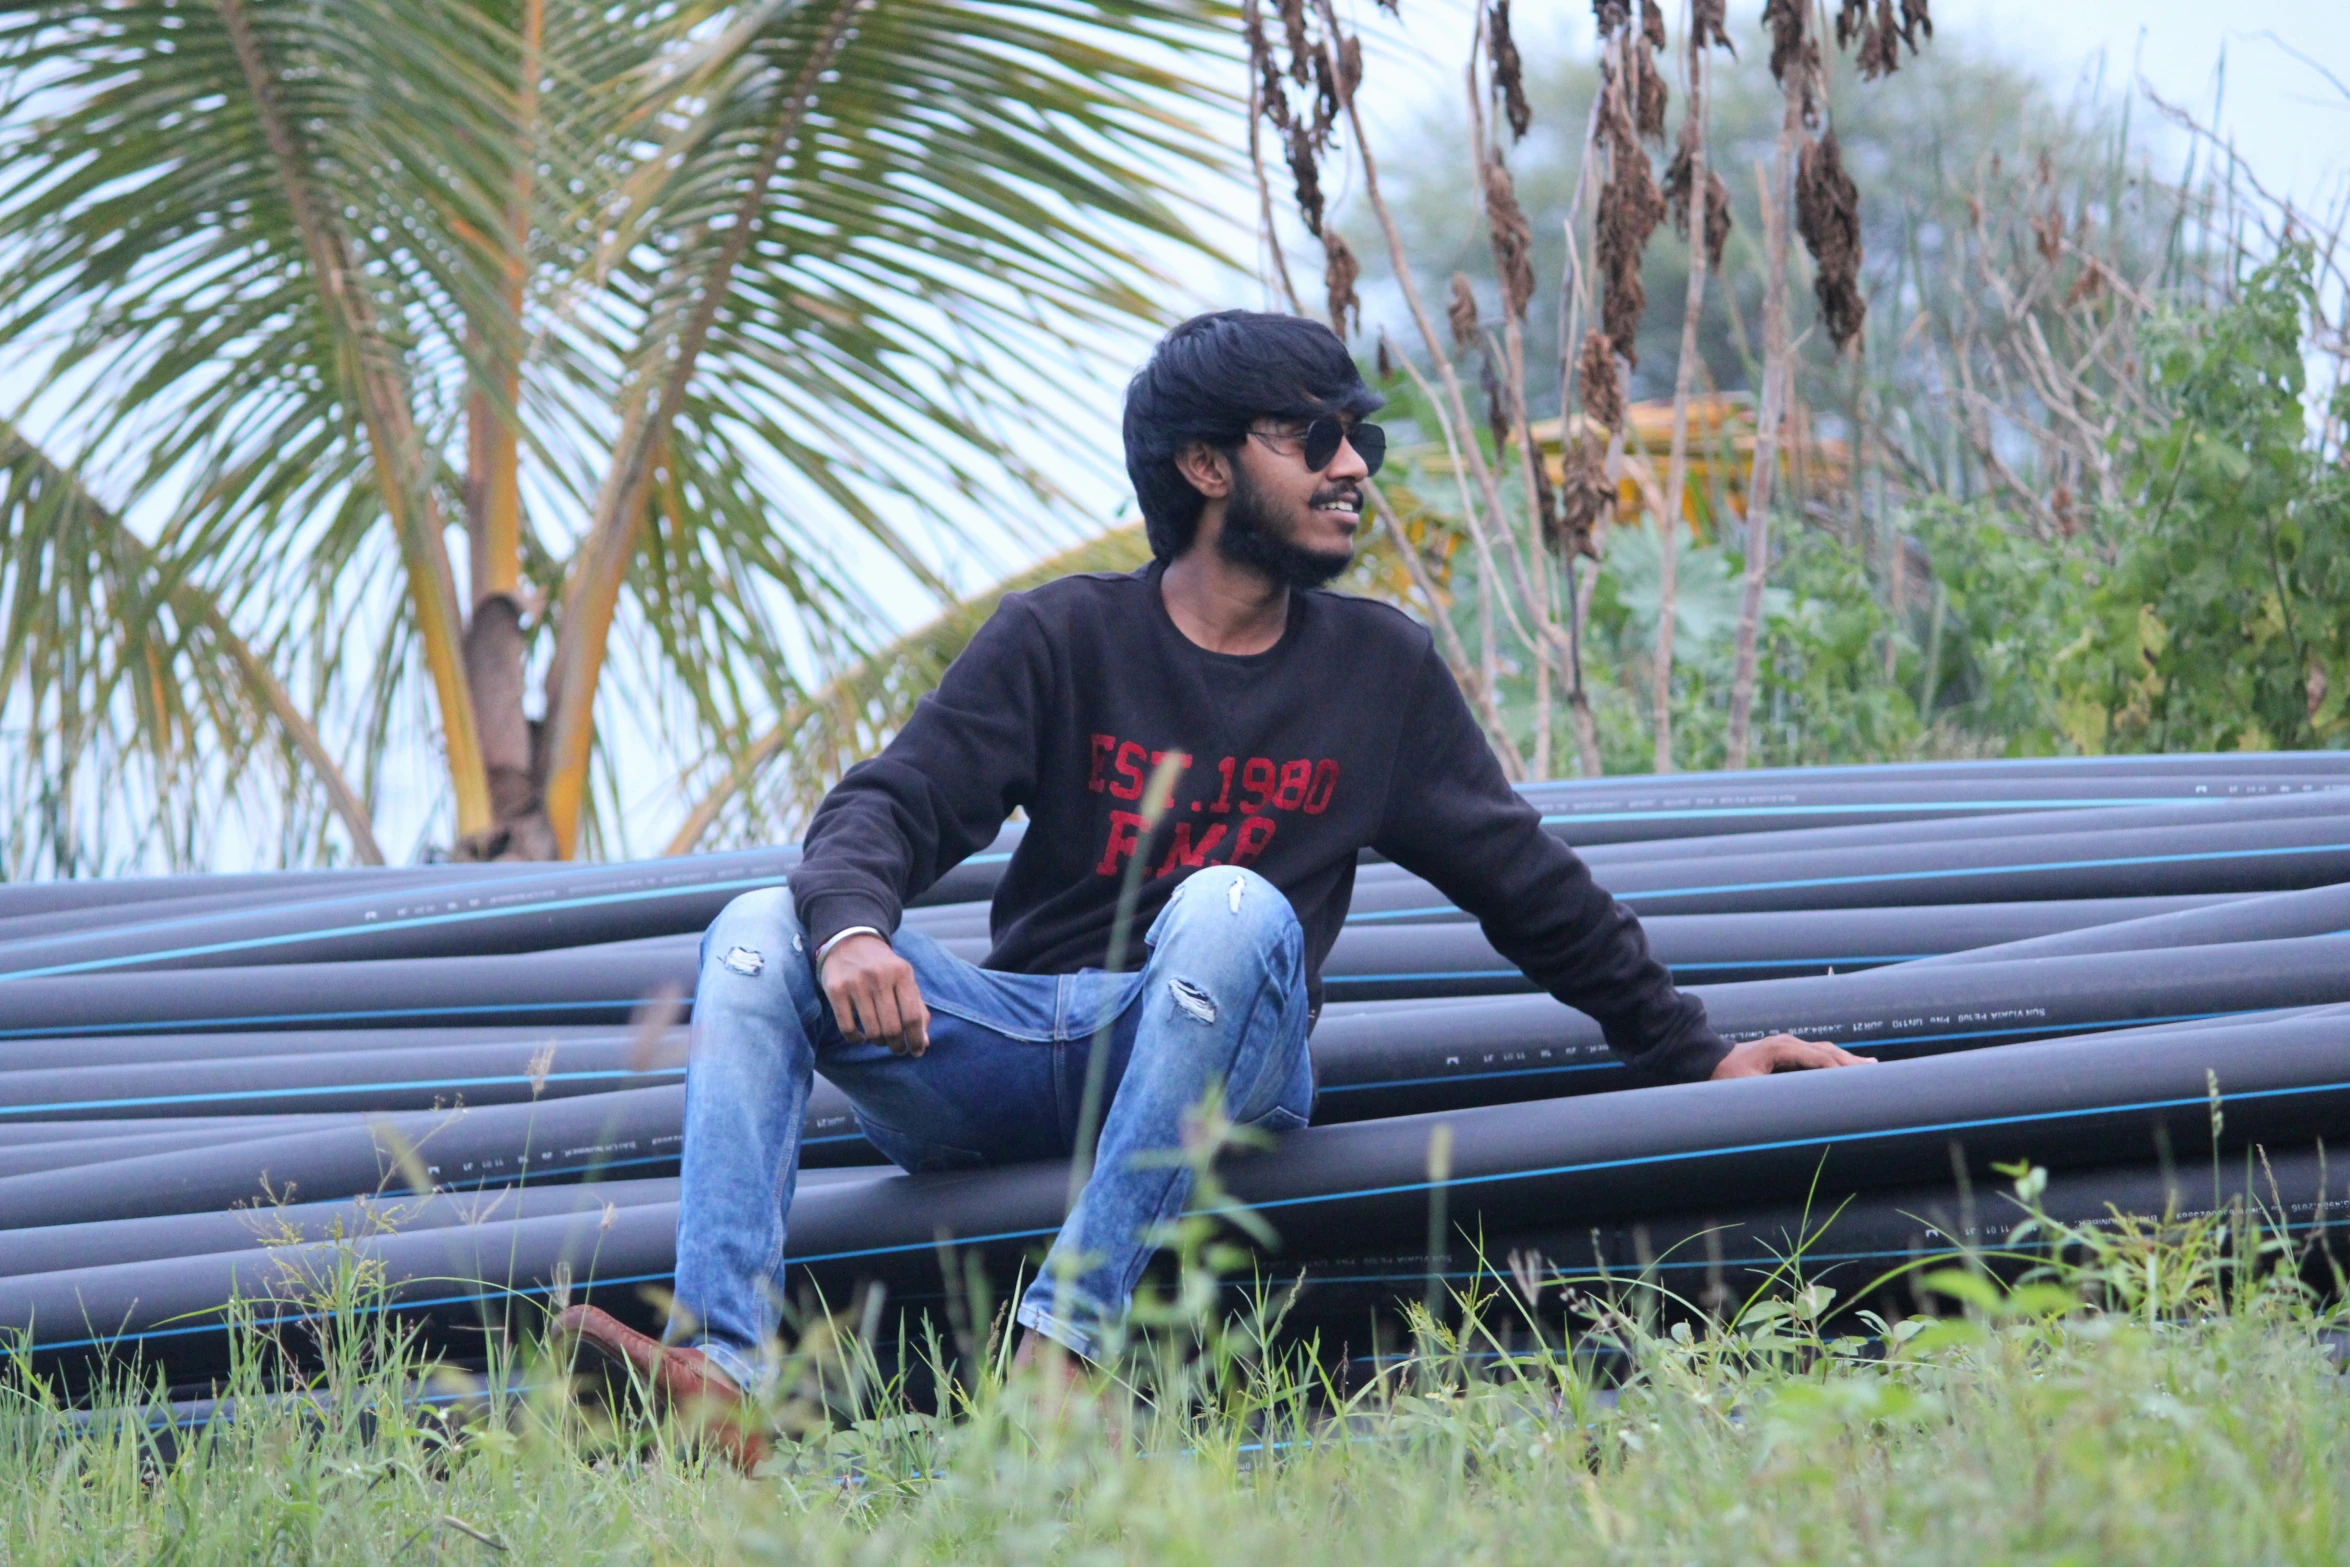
(1070, 1336)
(749, 1373)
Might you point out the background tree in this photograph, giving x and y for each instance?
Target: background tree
(660, 318)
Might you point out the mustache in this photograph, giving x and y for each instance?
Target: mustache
(1338, 492)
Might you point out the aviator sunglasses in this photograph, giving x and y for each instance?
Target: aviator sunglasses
(1322, 438)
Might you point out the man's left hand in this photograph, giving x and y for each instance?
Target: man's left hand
(1784, 1053)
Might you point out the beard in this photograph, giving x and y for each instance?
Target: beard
(1254, 538)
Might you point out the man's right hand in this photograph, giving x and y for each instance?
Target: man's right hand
(874, 996)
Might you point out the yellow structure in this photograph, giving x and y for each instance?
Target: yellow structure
(1721, 457)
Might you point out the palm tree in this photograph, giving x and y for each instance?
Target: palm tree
(672, 313)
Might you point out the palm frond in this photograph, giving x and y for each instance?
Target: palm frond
(856, 712)
(956, 232)
(174, 692)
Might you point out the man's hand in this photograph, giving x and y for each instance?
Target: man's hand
(874, 996)
(1784, 1053)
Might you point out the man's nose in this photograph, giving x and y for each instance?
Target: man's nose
(1348, 465)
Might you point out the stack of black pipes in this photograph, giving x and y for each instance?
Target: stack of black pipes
(219, 1088)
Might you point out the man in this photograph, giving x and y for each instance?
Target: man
(1295, 727)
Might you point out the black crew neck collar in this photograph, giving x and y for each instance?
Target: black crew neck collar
(1155, 574)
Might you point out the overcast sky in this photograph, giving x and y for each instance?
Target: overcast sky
(2290, 123)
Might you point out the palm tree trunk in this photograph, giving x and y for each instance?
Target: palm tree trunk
(495, 642)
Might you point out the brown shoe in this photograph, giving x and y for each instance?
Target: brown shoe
(679, 1382)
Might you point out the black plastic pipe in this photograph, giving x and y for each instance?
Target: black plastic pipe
(1371, 1060)
(2066, 1104)
(412, 1079)
(1654, 812)
(1367, 1188)
(171, 1050)
(581, 994)
(589, 986)
(24, 899)
(633, 1133)
(567, 907)
(110, 1243)
(2253, 764)
(1392, 1058)
(2317, 911)
(1406, 962)
(159, 1138)
(575, 906)
(1853, 1243)
(41, 897)
(228, 1128)
(2267, 856)
(1385, 1054)
(2190, 817)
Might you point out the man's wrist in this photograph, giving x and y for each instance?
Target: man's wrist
(839, 936)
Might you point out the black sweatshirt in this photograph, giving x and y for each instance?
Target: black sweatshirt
(1349, 732)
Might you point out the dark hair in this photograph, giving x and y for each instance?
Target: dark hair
(1209, 380)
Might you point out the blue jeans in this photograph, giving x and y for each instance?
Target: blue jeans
(1220, 1002)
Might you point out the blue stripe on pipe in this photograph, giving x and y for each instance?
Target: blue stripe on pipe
(417, 922)
(1869, 960)
(1886, 876)
(2060, 1029)
(1822, 1143)
(1971, 807)
(412, 1084)
(184, 1024)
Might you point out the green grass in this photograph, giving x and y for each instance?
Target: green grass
(2162, 1393)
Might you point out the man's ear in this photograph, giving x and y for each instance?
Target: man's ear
(1208, 470)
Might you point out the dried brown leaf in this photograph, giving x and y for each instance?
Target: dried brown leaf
(1827, 215)
(1679, 195)
(1794, 49)
(1325, 100)
(1513, 240)
(2088, 285)
(1708, 24)
(1273, 102)
(1301, 53)
(1610, 15)
(1461, 313)
(1651, 97)
(2048, 233)
(1874, 34)
(1786, 21)
(1717, 219)
(1601, 389)
(1629, 211)
(1652, 23)
(1339, 275)
(1501, 54)
(1350, 66)
(1585, 499)
(1308, 176)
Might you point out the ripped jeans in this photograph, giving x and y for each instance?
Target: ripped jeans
(1220, 1002)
